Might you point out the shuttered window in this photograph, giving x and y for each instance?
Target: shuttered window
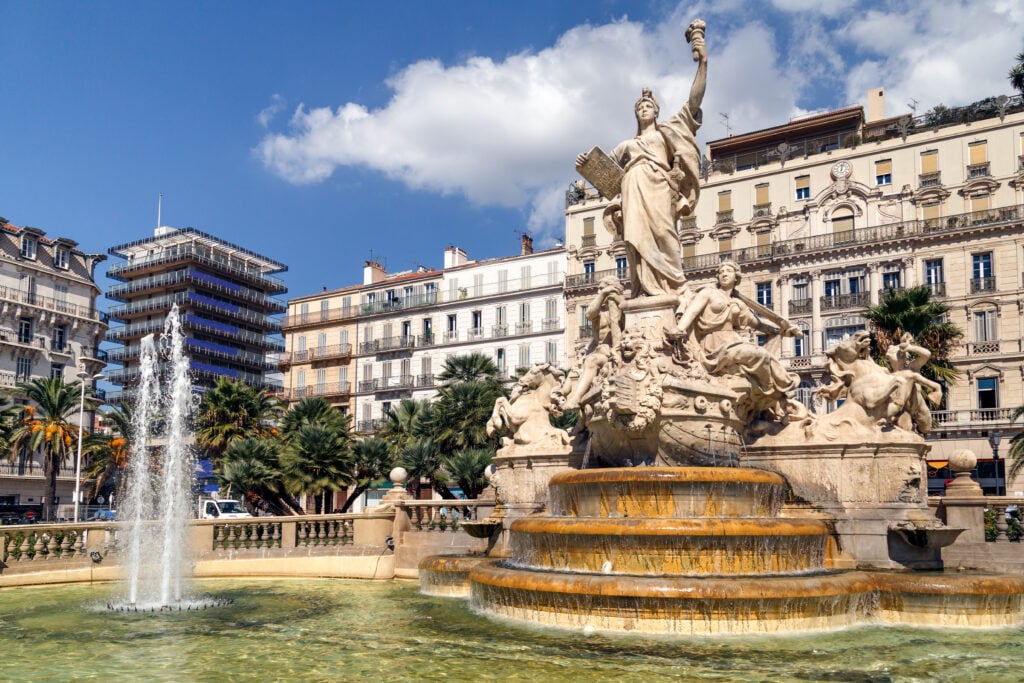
(725, 200)
(978, 152)
(761, 194)
(930, 162)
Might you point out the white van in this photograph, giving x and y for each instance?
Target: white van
(222, 509)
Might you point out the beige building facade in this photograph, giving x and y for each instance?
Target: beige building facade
(826, 213)
(49, 327)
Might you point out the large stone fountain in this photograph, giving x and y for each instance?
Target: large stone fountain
(696, 496)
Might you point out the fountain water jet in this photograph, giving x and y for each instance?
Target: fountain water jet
(158, 503)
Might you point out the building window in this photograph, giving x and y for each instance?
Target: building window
(502, 281)
(452, 323)
(551, 353)
(56, 370)
(933, 275)
(801, 291)
(28, 247)
(25, 331)
(835, 335)
(833, 287)
(59, 338)
(891, 280)
(621, 267)
(985, 326)
(524, 356)
(800, 344)
(60, 258)
(499, 361)
(764, 294)
(588, 271)
(477, 324)
(23, 370)
(803, 187)
(982, 279)
(883, 172)
(988, 395)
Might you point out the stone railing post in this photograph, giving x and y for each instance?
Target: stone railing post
(289, 532)
(964, 502)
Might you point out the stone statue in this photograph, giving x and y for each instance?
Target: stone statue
(719, 318)
(605, 316)
(527, 411)
(659, 182)
(875, 396)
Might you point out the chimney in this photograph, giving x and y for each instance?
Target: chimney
(373, 272)
(454, 256)
(876, 105)
(527, 245)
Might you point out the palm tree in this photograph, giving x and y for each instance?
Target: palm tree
(372, 461)
(472, 367)
(468, 468)
(10, 414)
(45, 428)
(404, 423)
(233, 410)
(106, 455)
(913, 310)
(1016, 75)
(458, 419)
(422, 460)
(312, 410)
(317, 459)
(251, 469)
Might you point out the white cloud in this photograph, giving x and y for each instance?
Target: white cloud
(267, 114)
(505, 132)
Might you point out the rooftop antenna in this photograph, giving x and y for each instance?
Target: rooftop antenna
(725, 120)
(159, 203)
(913, 105)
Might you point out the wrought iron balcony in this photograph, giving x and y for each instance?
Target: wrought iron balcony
(586, 332)
(524, 327)
(369, 426)
(499, 331)
(425, 380)
(983, 284)
(978, 170)
(800, 306)
(396, 343)
(723, 216)
(929, 179)
(549, 324)
(937, 288)
(854, 300)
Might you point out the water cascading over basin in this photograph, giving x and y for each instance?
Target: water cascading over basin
(704, 551)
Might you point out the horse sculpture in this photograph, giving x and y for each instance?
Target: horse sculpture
(527, 411)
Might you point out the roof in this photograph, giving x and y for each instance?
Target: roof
(176, 236)
(809, 125)
(41, 236)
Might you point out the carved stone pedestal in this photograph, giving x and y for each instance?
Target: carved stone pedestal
(875, 492)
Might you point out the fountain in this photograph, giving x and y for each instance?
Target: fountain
(698, 497)
(158, 503)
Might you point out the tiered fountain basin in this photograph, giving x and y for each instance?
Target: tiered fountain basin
(700, 551)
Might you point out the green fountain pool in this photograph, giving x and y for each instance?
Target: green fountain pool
(347, 630)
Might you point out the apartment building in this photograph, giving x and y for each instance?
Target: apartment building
(827, 212)
(226, 295)
(49, 326)
(320, 333)
(509, 309)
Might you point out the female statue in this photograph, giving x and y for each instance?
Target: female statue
(660, 182)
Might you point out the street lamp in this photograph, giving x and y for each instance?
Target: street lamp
(82, 376)
(993, 440)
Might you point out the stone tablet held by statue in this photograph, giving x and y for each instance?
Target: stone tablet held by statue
(602, 172)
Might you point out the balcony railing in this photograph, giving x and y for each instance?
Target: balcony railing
(929, 179)
(855, 300)
(724, 216)
(762, 210)
(982, 348)
(499, 331)
(396, 343)
(395, 383)
(317, 353)
(588, 241)
(196, 300)
(978, 170)
(222, 263)
(937, 288)
(207, 282)
(586, 332)
(524, 327)
(475, 333)
(367, 385)
(592, 278)
(293, 320)
(425, 340)
(425, 381)
(369, 426)
(47, 303)
(801, 306)
(397, 304)
(549, 324)
(33, 471)
(967, 418)
(983, 284)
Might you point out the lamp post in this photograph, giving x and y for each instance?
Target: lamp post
(82, 376)
(993, 440)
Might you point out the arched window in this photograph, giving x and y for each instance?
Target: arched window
(842, 225)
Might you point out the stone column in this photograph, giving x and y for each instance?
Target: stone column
(816, 341)
(874, 283)
(783, 284)
(907, 278)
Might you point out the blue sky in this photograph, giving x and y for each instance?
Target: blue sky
(319, 133)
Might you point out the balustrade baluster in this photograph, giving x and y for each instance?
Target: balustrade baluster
(217, 542)
(302, 537)
(38, 547)
(332, 533)
(1001, 525)
(65, 543)
(78, 547)
(236, 532)
(25, 548)
(321, 533)
(275, 538)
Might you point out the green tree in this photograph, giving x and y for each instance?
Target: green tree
(106, 455)
(233, 410)
(251, 469)
(10, 414)
(45, 428)
(458, 418)
(404, 423)
(316, 460)
(309, 411)
(914, 311)
(372, 461)
(1016, 74)
(422, 460)
(468, 468)
(471, 367)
